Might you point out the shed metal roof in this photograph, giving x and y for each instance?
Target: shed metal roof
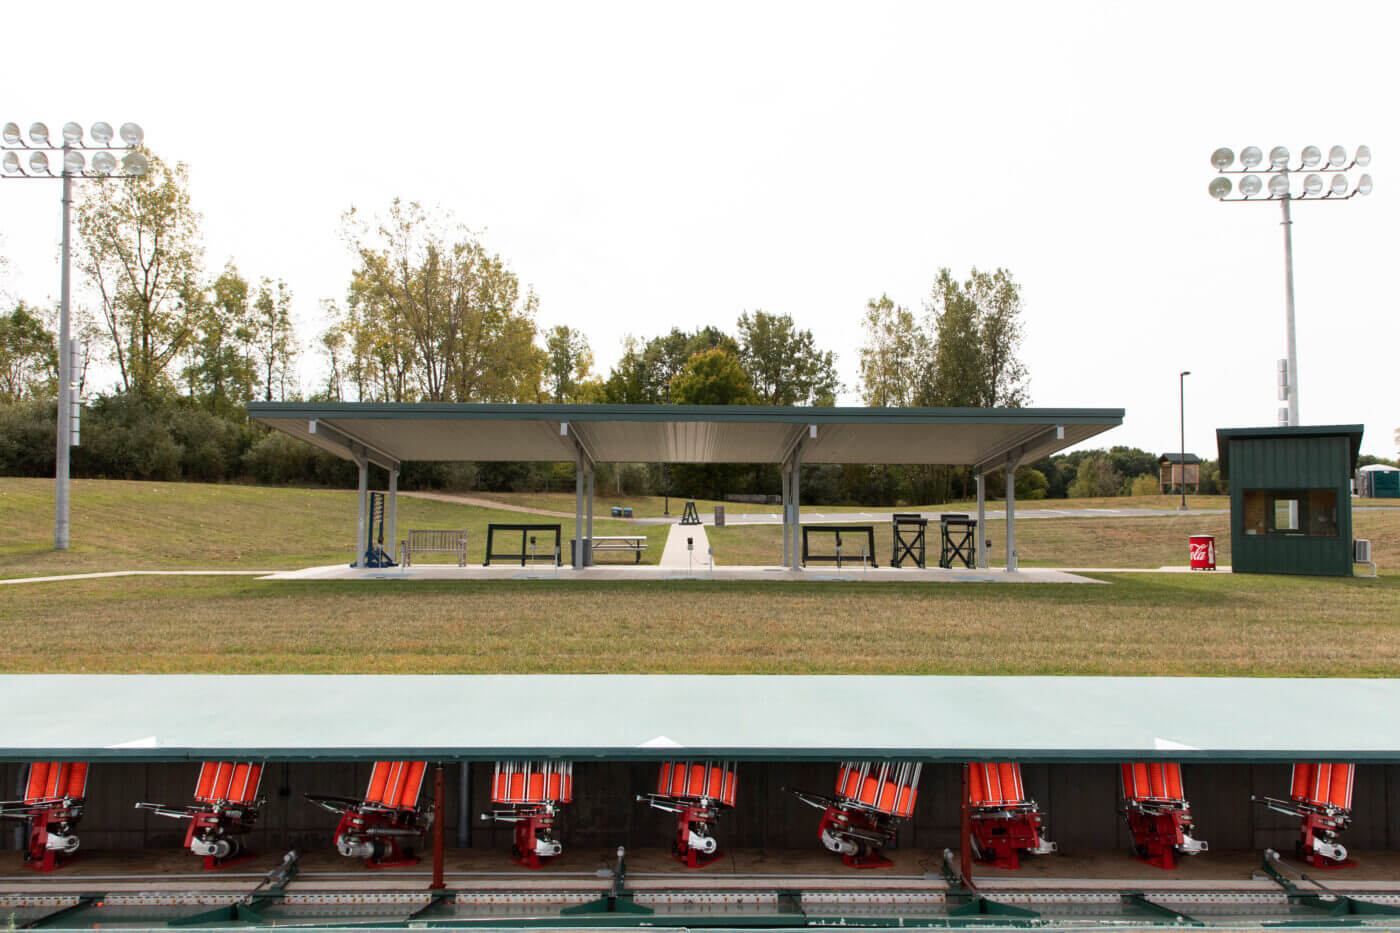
(482, 717)
(684, 433)
(1223, 436)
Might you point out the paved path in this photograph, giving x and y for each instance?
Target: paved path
(142, 573)
(485, 503)
(678, 556)
(815, 515)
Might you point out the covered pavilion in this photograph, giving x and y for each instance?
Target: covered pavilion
(985, 439)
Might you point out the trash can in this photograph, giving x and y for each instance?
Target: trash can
(719, 516)
(1202, 552)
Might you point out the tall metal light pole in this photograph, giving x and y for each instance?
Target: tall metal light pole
(104, 165)
(1184, 374)
(1280, 189)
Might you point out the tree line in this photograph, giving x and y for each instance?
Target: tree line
(432, 314)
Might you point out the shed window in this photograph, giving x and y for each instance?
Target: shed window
(1290, 512)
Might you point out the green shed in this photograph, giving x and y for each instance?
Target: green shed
(1290, 497)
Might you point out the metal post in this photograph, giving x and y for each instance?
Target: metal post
(65, 377)
(464, 806)
(1288, 297)
(578, 511)
(965, 853)
(588, 551)
(981, 521)
(360, 533)
(391, 512)
(1011, 561)
(438, 821)
(1182, 380)
(787, 522)
(796, 507)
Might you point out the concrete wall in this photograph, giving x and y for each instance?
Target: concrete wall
(1080, 803)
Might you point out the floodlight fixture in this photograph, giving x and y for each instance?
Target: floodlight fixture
(1336, 157)
(1278, 157)
(1220, 187)
(1278, 185)
(1222, 158)
(1363, 185)
(1250, 185)
(1312, 185)
(1250, 156)
(73, 156)
(1311, 156)
(1338, 188)
(1363, 156)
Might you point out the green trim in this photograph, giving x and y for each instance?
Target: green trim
(1223, 436)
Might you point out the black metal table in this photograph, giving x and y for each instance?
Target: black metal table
(838, 531)
(526, 539)
(908, 529)
(959, 534)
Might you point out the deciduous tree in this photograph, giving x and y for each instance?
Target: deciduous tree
(568, 364)
(28, 357)
(894, 357)
(783, 363)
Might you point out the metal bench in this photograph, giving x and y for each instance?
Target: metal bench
(435, 541)
(867, 531)
(529, 535)
(635, 543)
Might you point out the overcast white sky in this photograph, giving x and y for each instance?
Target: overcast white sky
(649, 165)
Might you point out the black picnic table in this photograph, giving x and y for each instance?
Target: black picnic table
(526, 538)
(838, 531)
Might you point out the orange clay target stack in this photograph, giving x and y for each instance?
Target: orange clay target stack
(694, 791)
(225, 808)
(1004, 822)
(52, 805)
(1158, 814)
(862, 815)
(530, 794)
(1321, 797)
(378, 827)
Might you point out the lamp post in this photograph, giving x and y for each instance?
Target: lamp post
(75, 165)
(1182, 381)
(1279, 185)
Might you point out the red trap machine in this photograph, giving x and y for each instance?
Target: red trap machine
(863, 814)
(1158, 814)
(225, 808)
(694, 791)
(1004, 822)
(52, 806)
(530, 794)
(1321, 799)
(378, 827)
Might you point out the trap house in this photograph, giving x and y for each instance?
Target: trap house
(1290, 497)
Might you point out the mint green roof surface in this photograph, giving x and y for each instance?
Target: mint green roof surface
(292, 717)
(685, 433)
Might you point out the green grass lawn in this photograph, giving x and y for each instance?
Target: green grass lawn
(1176, 624)
(120, 525)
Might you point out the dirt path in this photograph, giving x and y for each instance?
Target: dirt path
(485, 503)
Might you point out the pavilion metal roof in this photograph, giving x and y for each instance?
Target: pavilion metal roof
(389, 432)
(648, 717)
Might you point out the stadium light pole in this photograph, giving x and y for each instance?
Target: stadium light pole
(1279, 187)
(1182, 380)
(75, 165)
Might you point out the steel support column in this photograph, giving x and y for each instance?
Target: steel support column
(787, 521)
(1011, 560)
(588, 518)
(981, 521)
(363, 507)
(577, 555)
(965, 850)
(796, 556)
(464, 806)
(391, 514)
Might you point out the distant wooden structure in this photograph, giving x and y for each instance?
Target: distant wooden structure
(1176, 469)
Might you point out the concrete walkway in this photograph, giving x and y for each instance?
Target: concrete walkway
(815, 515)
(142, 573)
(701, 570)
(678, 554)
